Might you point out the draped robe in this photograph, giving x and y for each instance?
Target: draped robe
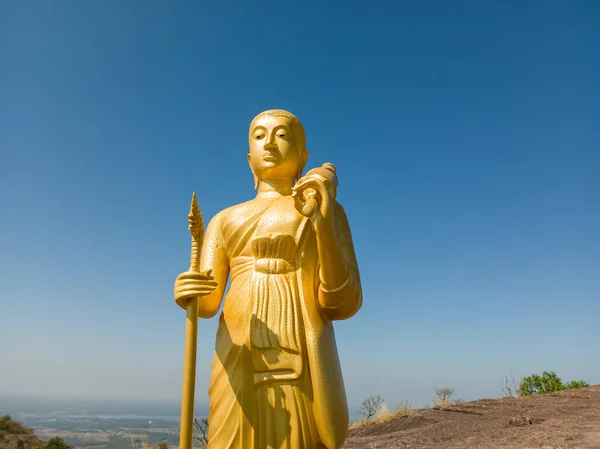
(276, 381)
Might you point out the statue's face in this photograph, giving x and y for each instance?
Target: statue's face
(274, 151)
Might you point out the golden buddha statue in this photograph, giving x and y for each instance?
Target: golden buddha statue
(276, 380)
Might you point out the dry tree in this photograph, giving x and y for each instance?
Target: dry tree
(201, 434)
(371, 406)
(442, 395)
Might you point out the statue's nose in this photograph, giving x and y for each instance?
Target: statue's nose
(270, 147)
(270, 143)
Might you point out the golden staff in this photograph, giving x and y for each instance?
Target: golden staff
(196, 226)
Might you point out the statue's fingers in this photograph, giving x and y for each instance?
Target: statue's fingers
(187, 275)
(299, 204)
(198, 281)
(185, 284)
(195, 287)
(190, 293)
(306, 183)
(195, 277)
(206, 284)
(316, 184)
(204, 293)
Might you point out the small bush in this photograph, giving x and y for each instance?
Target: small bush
(57, 443)
(512, 388)
(383, 412)
(403, 408)
(548, 382)
(8, 425)
(442, 395)
(576, 384)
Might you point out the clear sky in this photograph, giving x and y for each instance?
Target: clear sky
(467, 141)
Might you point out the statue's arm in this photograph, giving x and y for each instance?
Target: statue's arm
(343, 300)
(214, 258)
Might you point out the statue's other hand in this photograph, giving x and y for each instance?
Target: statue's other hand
(190, 284)
(323, 190)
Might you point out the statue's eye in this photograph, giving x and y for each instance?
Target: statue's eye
(259, 136)
(281, 134)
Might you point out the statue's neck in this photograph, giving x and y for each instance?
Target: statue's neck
(275, 188)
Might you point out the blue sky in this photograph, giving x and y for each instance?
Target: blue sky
(466, 137)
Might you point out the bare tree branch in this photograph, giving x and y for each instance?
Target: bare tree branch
(201, 434)
(371, 406)
(442, 396)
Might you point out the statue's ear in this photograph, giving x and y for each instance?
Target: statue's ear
(253, 174)
(302, 164)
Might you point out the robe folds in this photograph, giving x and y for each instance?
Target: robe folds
(276, 380)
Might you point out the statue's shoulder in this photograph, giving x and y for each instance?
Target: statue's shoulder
(232, 212)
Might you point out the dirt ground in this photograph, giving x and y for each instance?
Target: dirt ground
(564, 420)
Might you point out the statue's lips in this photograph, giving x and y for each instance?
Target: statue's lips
(270, 158)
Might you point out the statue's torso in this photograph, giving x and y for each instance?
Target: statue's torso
(263, 307)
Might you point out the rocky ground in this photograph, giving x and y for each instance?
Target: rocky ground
(563, 420)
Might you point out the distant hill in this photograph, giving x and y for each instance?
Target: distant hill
(13, 435)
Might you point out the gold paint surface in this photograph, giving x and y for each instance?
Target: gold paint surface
(276, 380)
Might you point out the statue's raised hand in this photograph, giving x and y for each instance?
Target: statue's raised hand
(319, 188)
(190, 284)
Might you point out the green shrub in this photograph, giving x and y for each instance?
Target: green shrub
(8, 425)
(57, 443)
(576, 384)
(548, 382)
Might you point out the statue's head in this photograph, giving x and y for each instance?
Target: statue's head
(277, 146)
